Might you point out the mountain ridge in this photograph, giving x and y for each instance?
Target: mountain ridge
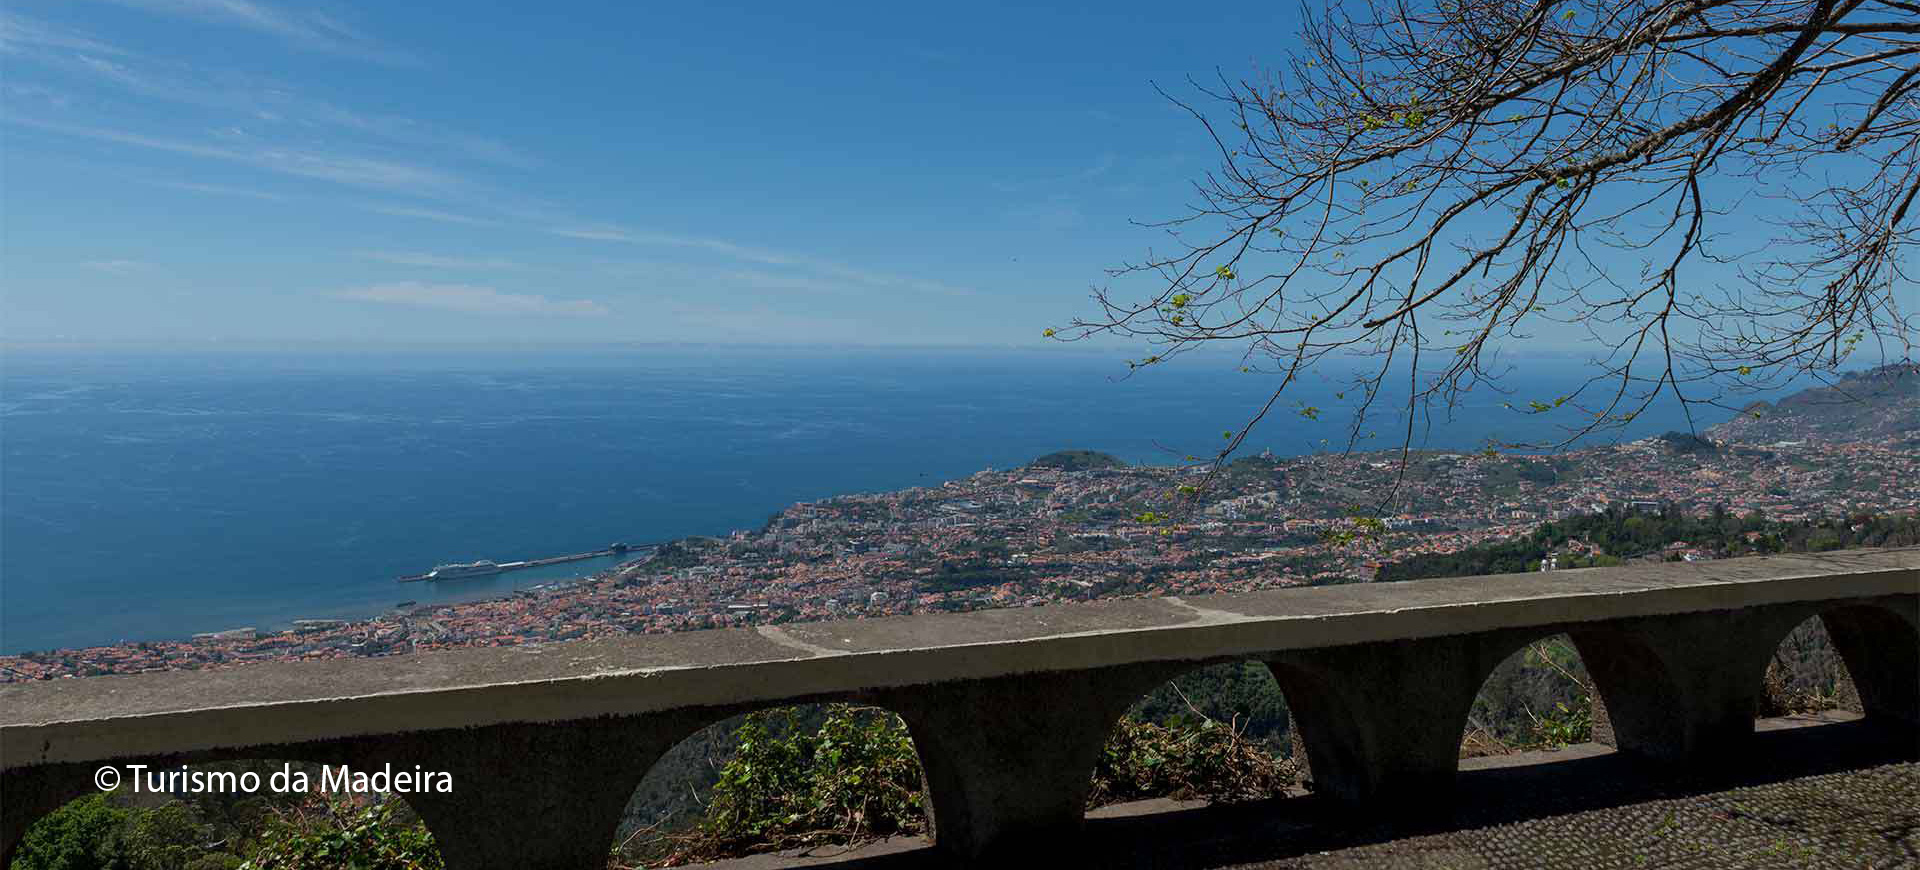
(1881, 403)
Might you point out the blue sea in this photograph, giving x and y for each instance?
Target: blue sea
(154, 495)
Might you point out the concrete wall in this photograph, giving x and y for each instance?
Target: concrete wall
(1007, 708)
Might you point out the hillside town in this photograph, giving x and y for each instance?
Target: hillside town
(1075, 526)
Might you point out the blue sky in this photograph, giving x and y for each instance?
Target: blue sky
(191, 171)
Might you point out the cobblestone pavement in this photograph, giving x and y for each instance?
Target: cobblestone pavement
(1858, 819)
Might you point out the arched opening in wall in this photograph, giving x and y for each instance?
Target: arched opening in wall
(270, 814)
(775, 779)
(1538, 698)
(1219, 733)
(1806, 675)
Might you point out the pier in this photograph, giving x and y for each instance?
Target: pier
(613, 550)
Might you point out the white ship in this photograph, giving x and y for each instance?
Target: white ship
(464, 569)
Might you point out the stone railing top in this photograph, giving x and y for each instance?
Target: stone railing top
(98, 718)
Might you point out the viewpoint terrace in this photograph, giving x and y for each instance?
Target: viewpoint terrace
(1007, 707)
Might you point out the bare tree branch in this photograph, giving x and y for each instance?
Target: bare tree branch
(1716, 193)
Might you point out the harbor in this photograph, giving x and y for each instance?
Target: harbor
(488, 567)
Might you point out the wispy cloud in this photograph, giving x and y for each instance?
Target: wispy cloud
(408, 131)
(18, 33)
(609, 233)
(438, 261)
(596, 234)
(339, 168)
(15, 93)
(120, 268)
(137, 82)
(220, 190)
(470, 299)
(734, 323)
(883, 279)
(253, 100)
(307, 28)
(1053, 214)
(684, 274)
(1101, 165)
(843, 272)
(761, 323)
(431, 214)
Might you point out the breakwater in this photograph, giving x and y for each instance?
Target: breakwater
(487, 568)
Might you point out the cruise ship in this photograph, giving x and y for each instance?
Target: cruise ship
(464, 569)
(488, 567)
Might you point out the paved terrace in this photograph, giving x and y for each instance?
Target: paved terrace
(1008, 708)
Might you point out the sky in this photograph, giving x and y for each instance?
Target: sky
(209, 171)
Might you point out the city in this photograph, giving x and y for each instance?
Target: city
(1041, 535)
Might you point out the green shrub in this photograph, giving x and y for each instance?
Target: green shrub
(1784, 693)
(1208, 760)
(854, 777)
(328, 834)
(213, 861)
(1570, 721)
(1565, 725)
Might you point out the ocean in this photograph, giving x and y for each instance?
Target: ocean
(150, 496)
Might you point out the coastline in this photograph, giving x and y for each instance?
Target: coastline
(1031, 536)
(330, 483)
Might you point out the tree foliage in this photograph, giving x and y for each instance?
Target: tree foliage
(1242, 693)
(1077, 460)
(312, 832)
(1623, 534)
(82, 835)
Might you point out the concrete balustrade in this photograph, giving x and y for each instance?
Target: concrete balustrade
(1383, 720)
(1008, 708)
